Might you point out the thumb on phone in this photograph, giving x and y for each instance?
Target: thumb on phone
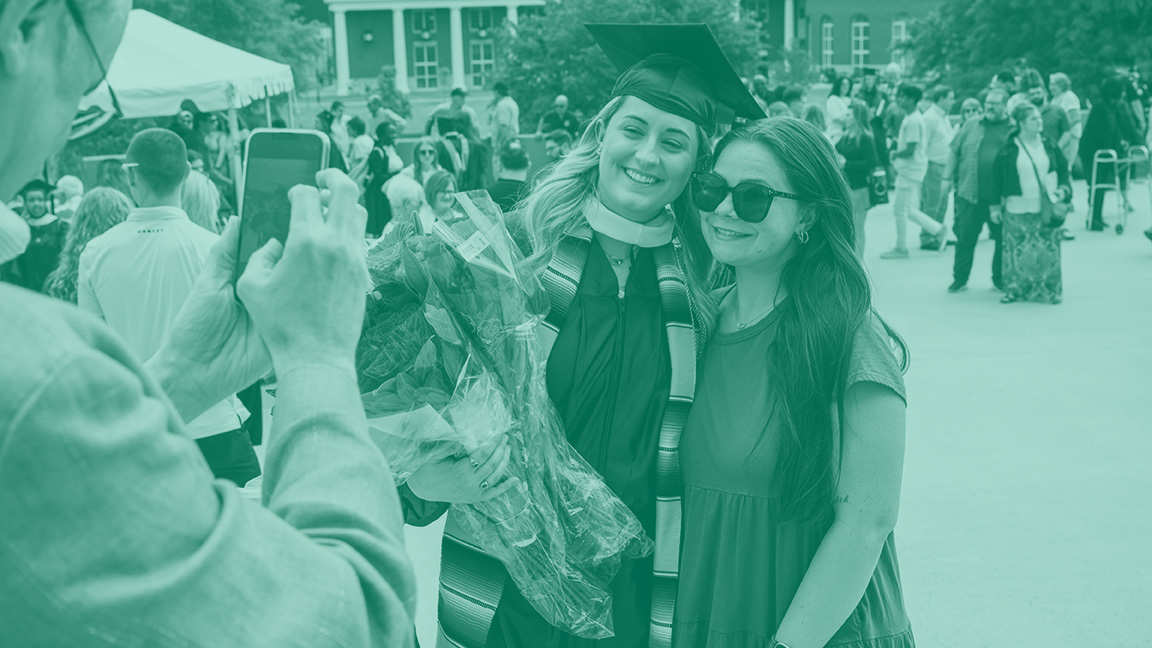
(262, 262)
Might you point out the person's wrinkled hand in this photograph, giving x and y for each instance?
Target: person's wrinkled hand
(213, 349)
(307, 296)
(465, 480)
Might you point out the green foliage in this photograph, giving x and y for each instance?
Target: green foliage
(965, 42)
(269, 28)
(552, 53)
(393, 98)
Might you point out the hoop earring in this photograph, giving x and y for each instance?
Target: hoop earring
(802, 237)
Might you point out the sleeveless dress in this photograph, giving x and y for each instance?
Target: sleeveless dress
(741, 565)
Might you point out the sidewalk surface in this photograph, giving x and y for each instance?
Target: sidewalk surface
(1025, 519)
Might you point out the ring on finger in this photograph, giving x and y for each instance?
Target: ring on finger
(484, 484)
(473, 462)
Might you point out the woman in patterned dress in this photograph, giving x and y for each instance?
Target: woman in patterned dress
(1030, 164)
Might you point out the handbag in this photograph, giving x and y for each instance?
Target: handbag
(878, 188)
(1051, 214)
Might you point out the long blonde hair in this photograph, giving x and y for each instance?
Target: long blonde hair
(200, 199)
(554, 209)
(99, 211)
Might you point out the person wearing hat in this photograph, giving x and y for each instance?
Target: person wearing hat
(624, 264)
(48, 232)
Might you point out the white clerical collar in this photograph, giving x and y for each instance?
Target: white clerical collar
(46, 219)
(654, 233)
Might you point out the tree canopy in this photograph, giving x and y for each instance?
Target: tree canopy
(551, 53)
(965, 42)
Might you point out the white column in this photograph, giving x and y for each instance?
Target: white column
(789, 23)
(400, 49)
(513, 15)
(457, 39)
(341, 37)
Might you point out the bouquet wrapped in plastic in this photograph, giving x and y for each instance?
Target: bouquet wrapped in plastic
(448, 364)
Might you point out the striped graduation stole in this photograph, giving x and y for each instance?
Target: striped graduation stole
(471, 582)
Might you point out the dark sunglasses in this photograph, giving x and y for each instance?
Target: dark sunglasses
(750, 200)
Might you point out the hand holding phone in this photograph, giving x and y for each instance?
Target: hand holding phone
(306, 296)
(275, 162)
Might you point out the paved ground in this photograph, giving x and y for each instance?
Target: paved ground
(1026, 517)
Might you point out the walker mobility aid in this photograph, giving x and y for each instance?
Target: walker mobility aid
(1123, 165)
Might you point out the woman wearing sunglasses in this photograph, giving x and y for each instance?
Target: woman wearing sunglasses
(970, 109)
(792, 454)
(621, 337)
(424, 160)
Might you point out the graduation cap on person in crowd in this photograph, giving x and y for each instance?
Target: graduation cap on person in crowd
(677, 68)
(46, 188)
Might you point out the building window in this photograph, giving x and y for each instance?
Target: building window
(827, 44)
(480, 19)
(426, 65)
(861, 42)
(483, 62)
(757, 10)
(900, 40)
(424, 20)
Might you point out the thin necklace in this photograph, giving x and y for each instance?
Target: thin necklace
(740, 326)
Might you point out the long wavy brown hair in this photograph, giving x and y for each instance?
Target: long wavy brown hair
(99, 211)
(829, 299)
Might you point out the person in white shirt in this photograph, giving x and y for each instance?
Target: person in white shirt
(69, 193)
(938, 133)
(362, 145)
(1062, 96)
(838, 108)
(504, 117)
(137, 276)
(341, 139)
(911, 164)
(378, 114)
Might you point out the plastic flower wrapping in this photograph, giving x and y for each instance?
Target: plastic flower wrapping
(449, 364)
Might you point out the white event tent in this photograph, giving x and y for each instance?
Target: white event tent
(160, 64)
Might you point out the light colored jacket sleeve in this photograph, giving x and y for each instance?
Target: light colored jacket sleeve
(112, 531)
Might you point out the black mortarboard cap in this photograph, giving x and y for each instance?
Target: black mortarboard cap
(37, 185)
(677, 68)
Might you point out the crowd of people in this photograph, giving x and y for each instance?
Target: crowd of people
(712, 349)
(1006, 161)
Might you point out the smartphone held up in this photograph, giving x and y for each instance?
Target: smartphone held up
(274, 162)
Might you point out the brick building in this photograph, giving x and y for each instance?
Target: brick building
(439, 44)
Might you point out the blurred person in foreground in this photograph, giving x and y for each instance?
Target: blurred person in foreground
(971, 169)
(510, 186)
(141, 547)
(137, 275)
(100, 210)
(1030, 177)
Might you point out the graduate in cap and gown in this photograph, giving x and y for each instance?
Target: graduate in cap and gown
(624, 263)
(48, 232)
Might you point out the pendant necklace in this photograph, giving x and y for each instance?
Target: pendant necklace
(740, 326)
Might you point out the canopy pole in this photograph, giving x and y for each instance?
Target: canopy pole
(292, 108)
(234, 156)
(268, 109)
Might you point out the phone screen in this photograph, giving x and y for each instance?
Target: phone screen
(277, 161)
